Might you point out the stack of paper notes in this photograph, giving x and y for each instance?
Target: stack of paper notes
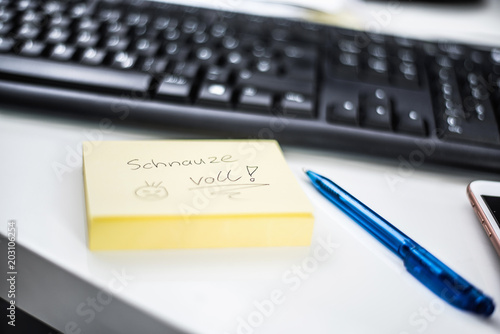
(192, 194)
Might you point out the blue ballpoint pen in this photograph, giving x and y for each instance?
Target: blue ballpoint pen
(431, 272)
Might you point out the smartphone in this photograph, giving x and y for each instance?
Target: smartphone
(485, 199)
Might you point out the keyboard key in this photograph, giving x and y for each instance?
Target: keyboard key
(254, 99)
(259, 50)
(405, 75)
(86, 38)
(379, 96)
(345, 112)
(144, 31)
(84, 77)
(377, 70)
(217, 74)
(86, 23)
(308, 31)
(6, 14)
(280, 35)
(236, 60)
(175, 51)
(230, 43)
(57, 35)
(349, 46)
(6, 44)
(378, 116)
(411, 123)
(273, 83)
(407, 55)
(266, 65)
(116, 28)
(348, 65)
(295, 72)
(78, 10)
(153, 64)
(137, 19)
(52, 7)
(161, 22)
(30, 16)
(206, 55)
(297, 105)
(24, 5)
(115, 43)
(186, 69)
(172, 35)
(145, 47)
(200, 38)
(191, 25)
(452, 49)
(219, 29)
(28, 31)
(495, 56)
(92, 56)
(377, 51)
(404, 42)
(175, 87)
(123, 60)
(109, 15)
(31, 48)
(5, 28)
(62, 52)
(299, 62)
(299, 52)
(215, 94)
(58, 20)
(377, 111)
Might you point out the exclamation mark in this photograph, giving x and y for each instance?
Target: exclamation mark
(251, 170)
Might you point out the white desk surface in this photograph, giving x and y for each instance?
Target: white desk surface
(361, 287)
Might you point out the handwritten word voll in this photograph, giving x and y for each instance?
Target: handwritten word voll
(210, 180)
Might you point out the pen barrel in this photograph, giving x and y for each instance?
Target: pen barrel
(377, 226)
(444, 282)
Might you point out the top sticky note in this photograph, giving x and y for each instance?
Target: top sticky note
(192, 194)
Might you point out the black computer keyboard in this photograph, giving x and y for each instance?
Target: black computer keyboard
(254, 77)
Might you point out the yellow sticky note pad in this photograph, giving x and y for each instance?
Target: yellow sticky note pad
(192, 194)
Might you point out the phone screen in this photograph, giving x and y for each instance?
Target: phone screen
(494, 206)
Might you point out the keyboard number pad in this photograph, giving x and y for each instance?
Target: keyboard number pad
(374, 59)
(467, 114)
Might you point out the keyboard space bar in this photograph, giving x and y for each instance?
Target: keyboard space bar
(73, 75)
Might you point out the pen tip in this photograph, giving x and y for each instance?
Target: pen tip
(305, 170)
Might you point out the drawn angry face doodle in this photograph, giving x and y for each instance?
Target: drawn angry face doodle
(152, 191)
